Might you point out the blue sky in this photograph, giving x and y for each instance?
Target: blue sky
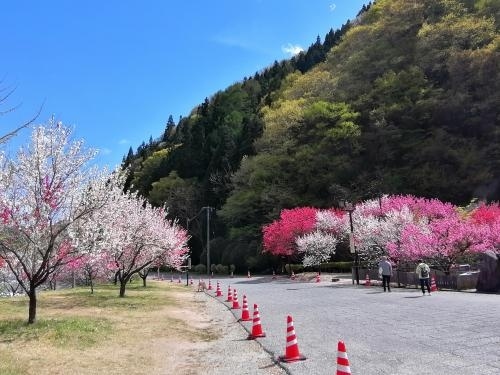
(115, 70)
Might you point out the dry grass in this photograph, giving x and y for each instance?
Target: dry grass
(149, 331)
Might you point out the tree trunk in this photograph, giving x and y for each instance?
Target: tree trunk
(91, 286)
(123, 285)
(32, 305)
(144, 280)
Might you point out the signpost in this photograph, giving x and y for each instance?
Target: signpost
(187, 267)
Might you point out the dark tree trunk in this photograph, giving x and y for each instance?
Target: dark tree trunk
(143, 275)
(123, 285)
(32, 305)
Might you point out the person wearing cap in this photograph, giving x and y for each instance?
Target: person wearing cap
(423, 271)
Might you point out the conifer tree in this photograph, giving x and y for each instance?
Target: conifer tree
(169, 130)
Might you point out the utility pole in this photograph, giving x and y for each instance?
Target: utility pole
(208, 209)
(208, 239)
(350, 207)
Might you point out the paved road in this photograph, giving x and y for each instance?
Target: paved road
(398, 333)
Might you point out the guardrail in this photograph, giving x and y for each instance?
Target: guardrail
(410, 279)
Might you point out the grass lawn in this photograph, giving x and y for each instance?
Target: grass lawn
(81, 333)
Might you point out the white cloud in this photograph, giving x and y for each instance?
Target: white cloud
(332, 7)
(123, 141)
(291, 49)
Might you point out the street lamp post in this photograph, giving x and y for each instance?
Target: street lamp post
(349, 207)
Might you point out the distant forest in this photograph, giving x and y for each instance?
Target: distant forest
(404, 99)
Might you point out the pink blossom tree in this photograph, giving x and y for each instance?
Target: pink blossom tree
(441, 233)
(404, 227)
(279, 236)
(486, 219)
(43, 192)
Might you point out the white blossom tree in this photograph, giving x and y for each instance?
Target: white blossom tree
(320, 244)
(317, 247)
(137, 234)
(44, 191)
(374, 231)
(89, 237)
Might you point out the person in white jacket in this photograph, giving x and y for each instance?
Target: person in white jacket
(423, 271)
(385, 270)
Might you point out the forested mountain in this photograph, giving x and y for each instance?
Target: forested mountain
(404, 99)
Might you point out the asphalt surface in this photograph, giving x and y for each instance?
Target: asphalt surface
(397, 333)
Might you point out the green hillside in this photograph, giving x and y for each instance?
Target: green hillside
(403, 99)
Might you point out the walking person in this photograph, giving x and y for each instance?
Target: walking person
(423, 271)
(385, 269)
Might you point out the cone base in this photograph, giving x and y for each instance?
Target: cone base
(253, 337)
(245, 319)
(283, 358)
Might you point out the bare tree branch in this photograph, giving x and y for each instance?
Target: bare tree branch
(5, 93)
(6, 137)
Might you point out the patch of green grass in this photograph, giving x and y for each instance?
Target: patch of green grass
(74, 332)
(78, 325)
(106, 296)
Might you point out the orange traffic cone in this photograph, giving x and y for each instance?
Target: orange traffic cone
(248, 274)
(209, 284)
(292, 349)
(318, 278)
(236, 304)
(342, 360)
(293, 276)
(256, 327)
(229, 295)
(367, 280)
(245, 315)
(191, 280)
(434, 287)
(218, 292)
